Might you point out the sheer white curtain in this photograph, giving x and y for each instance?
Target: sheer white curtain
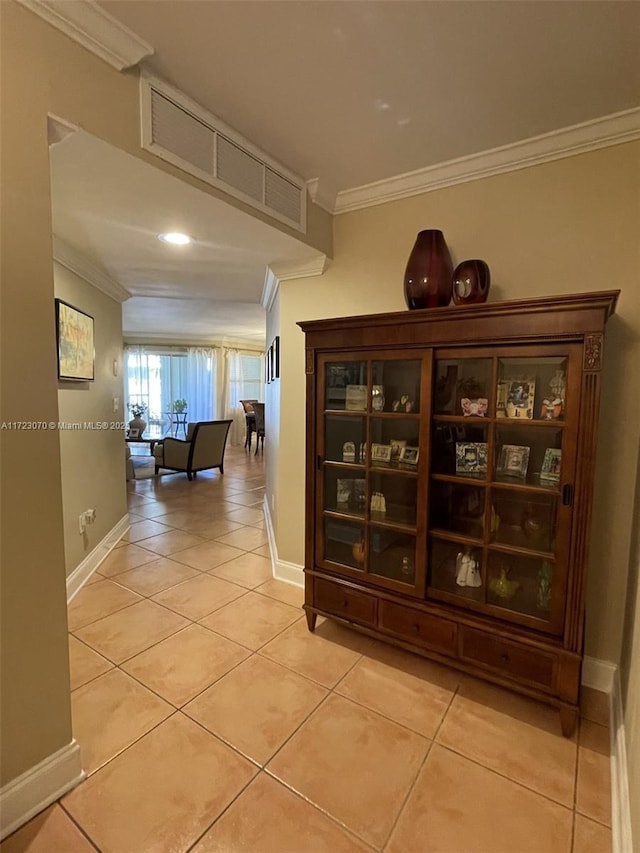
(243, 380)
(157, 376)
(201, 383)
(136, 378)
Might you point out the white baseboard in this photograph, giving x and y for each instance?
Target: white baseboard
(282, 570)
(40, 786)
(598, 674)
(621, 840)
(80, 575)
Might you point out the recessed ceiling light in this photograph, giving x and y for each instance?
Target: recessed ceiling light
(175, 238)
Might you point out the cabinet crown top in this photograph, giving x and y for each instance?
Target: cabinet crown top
(602, 300)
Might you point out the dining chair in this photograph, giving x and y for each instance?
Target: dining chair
(250, 420)
(258, 409)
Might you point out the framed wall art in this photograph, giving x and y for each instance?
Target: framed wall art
(75, 343)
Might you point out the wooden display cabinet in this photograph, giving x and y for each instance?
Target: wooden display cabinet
(450, 463)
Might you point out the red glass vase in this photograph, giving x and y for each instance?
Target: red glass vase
(471, 280)
(427, 278)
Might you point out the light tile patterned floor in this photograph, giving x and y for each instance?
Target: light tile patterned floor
(212, 721)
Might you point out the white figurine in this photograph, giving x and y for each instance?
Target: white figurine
(467, 573)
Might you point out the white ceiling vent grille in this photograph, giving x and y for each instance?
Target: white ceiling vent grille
(282, 195)
(239, 169)
(182, 133)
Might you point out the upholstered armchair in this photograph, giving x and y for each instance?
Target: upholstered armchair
(203, 448)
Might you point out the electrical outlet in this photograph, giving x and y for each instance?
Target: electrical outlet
(116, 404)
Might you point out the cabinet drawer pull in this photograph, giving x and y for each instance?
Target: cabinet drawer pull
(504, 658)
(345, 603)
(415, 628)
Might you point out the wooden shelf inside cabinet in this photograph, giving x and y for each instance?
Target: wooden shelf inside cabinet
(490, 574)
(457, 538)
(345, 515)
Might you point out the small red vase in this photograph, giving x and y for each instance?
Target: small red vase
(427, 278)
(471, 280)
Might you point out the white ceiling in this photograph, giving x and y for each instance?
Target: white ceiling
(354, 92)
(110, 207)
(346, 92)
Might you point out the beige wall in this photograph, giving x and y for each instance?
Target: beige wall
(36, 719)
(92, 460)
(42, 71)
(563, 227)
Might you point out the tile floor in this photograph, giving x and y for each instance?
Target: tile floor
(211, 720)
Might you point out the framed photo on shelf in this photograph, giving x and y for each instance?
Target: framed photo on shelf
(514, 460)
(350, 494)
(502, 396)
(133, 433)
(397, 446)
(520, 396)
(381, 453)
(75, 343)
(409, 455)
(550, 472)
(471, 457)
(356, 398)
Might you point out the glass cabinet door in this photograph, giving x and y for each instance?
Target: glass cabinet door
(500, 481)
(368, 500)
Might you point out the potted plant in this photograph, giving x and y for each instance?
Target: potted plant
(179, 406)
(137, 422)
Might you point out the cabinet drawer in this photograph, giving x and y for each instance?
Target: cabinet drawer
(345, 602)
(512, 659)
(419, 627)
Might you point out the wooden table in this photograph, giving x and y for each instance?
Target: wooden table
(144, 440)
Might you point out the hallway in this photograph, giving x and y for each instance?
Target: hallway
(212, 721)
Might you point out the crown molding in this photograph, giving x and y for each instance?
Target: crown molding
(77, 263)
(58, 129)
(95, 29)
(321, 195)
(600, 133)
(282, 272)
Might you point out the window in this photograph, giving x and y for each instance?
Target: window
(245, 379)
(157, 377)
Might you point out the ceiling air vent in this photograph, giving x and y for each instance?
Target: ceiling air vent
(182, 133)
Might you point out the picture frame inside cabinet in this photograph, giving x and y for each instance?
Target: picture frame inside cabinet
(409, 455)
(471, 457)
(356, 398)
(381, 453)
(550, 472)
(520, 393)
(514, 460)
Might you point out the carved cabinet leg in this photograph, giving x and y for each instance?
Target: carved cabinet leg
(568, 720)
(311, 619)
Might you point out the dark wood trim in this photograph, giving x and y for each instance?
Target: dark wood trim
(537, 652)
